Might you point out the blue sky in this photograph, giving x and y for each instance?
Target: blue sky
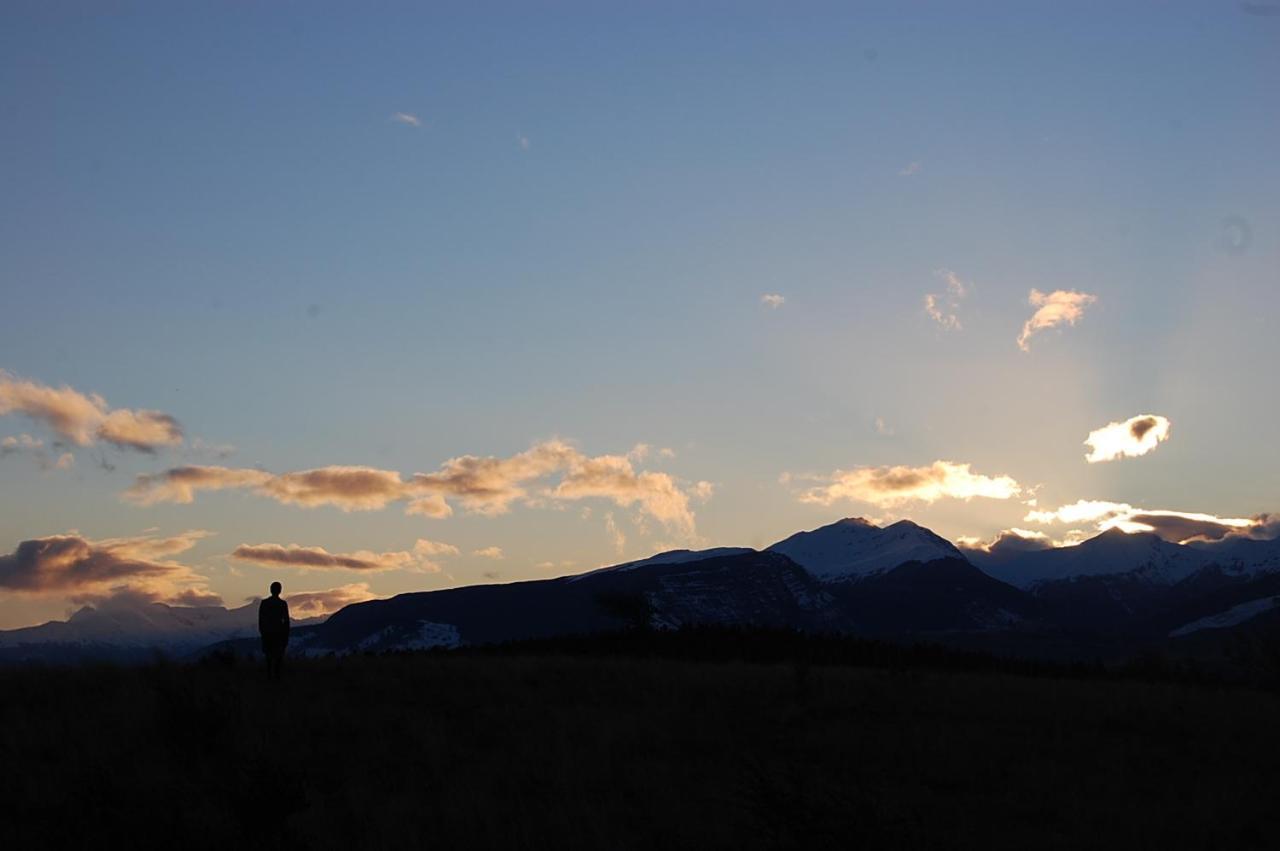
(209, 210)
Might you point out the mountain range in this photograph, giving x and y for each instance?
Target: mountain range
(1111, 596)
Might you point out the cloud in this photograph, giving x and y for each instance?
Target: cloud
(126, 597)
(910, 169)
(218, 450)
(306, 558)
(481, 485)
(85, 419)
(773, 300)
(140, 430)
(523, 141)
(1129, 439)
(494, 553)
(615, 534)
(942, 307)
(28, 445)
(406, 118)
(20, 443)
(180, 484)
(348, 488)
(891, 486)
(883, 428)
(1056, 308)
(703, 491)
(432, 549)
(307, 604)
(73, 563)
(613, 477)
(1006, 544)
(1176, 526)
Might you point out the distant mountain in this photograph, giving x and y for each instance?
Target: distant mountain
(126, 631)
(741, 588)
(1143, 556)
(855, 548)
(1113, 594)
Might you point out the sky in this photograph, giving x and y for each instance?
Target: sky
(374, 298)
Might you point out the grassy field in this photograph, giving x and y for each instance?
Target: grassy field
(559, 751)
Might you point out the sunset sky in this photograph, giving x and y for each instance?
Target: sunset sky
(409, 296)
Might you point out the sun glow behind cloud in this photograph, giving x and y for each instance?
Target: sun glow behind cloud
(1128, 439)
(1177, 526)
(893, 486)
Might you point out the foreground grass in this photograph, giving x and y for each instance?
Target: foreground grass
(596, 752)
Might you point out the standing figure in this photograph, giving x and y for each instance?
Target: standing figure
(273, 626)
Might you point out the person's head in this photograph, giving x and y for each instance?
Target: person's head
(275, 589)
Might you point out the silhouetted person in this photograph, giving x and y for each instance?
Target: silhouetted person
(273, 626)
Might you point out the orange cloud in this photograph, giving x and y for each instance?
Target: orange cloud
(71, 562)
(891, 486)
(1056, 308)
(84, 419)
(308, 604)
(482, 485)
(275, 555)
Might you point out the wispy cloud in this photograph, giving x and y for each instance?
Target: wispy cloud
(892, 486)
(494, 553)
(943, 307)
(84, 419)
(616, 535)
(34, 447)
(406, 118)
(910, 168)
(1056, 308)
(1128, 439)
(318, 558)
(523, 141)
(431, 549)
(773, 300)
(883, 428)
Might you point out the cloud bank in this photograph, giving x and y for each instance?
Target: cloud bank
(1060, 307)
(1129, 439)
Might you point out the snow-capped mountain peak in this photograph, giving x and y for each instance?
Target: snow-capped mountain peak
(854, 548)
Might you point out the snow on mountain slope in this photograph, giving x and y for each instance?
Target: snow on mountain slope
(1240, 556)
(1231, 617)
(854, 548)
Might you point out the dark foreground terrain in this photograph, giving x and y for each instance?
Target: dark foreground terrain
(546, 749)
